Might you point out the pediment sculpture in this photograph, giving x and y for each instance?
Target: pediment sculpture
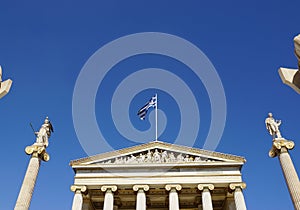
(157, 156)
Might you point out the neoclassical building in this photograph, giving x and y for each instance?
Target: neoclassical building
(158, 176)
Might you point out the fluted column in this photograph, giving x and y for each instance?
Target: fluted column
(109, 197)
(280, 148)
(206, 197)
(141, 196)
(38, 153)
(173, 196)
(237, 189)
(78, 198)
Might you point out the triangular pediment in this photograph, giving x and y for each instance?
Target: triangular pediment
(157, 152)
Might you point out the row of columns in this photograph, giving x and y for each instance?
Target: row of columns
(235, 188)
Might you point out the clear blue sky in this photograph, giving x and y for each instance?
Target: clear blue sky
(43, 47)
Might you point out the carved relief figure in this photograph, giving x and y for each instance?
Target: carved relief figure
(172, 157)
(156, 156)
(180, 157)
(149, 157)
(164, 156)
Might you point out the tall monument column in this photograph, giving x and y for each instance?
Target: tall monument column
(237, 189)
(281, 148)
(141, 196)
(78, 198)
(206, 196)
(109, 197)
(38, 153)
(173, 196)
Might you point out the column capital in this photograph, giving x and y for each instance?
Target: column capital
(141, 187)
(37, 150)
(78, 188)
(113, 188)
(239, 185)
(206, 186)
(280, 145)
(173, 186)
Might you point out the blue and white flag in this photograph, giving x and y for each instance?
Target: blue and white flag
(143, 111)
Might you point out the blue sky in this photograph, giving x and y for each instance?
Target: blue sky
(44, 46)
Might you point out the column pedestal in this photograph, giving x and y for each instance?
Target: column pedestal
(280, 148)
(173, 196)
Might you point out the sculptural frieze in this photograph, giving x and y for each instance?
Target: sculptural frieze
(156, 156)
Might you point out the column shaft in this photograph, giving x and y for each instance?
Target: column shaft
(141, 196)
(290, 176)
(206, 200)
(239, 199)
(173, 196)
(173, 200)
(25, 195)
(108, 200)
(141, 200)
(77, 201)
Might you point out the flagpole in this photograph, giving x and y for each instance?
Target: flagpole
(156, 117)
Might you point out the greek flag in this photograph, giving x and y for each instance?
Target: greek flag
(143, 111)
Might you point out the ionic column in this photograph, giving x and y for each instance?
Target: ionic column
(38, 153)
(141, 196)
(280, 148)
(237, 189)
(109, 197)
(173, 196)
(78, 198)
(206, 197)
